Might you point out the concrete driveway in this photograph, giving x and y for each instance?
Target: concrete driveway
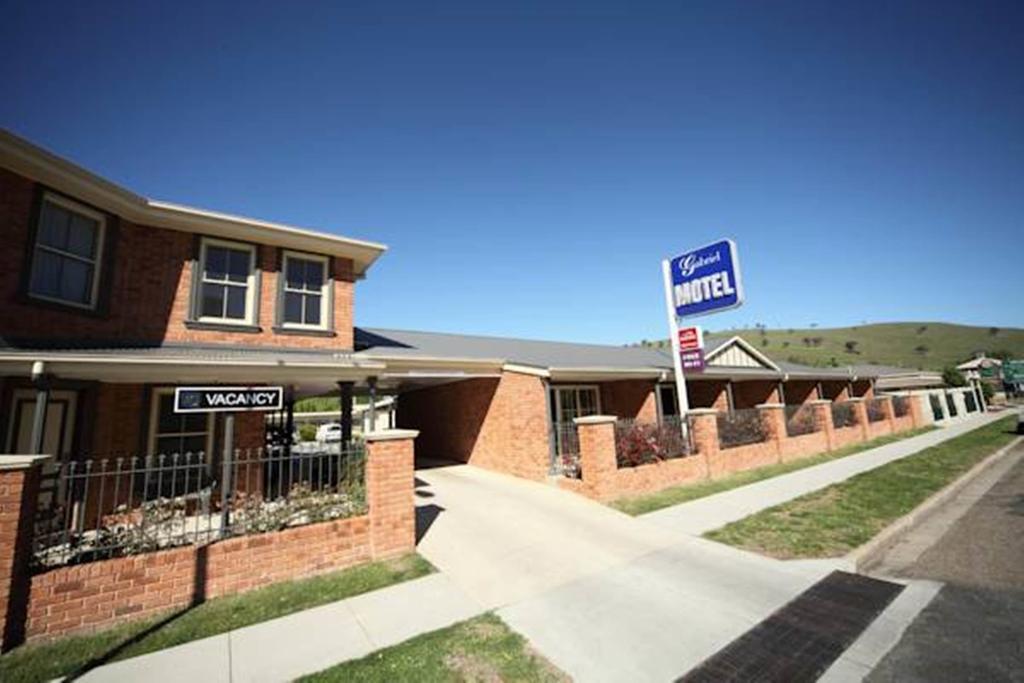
(604, 596)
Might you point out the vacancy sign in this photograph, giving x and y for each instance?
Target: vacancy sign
(227, 399)
(706, 280)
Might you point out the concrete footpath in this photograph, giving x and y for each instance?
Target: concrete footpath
(604, 596)
(305, 642)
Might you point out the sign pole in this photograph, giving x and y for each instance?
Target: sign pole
(673, 325)
(225, 483)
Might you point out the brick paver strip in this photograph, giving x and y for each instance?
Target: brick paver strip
(802, 639)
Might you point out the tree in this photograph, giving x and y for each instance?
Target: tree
(785, 344)
(806, 341)
(993, 331)
(833, 362)
(764, 341)
(817, 340)
(1002, 354)
(952, 377)
(921, 349)
(851, 346)
(922, 329)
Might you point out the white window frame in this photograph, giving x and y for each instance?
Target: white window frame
(325, 290)
(154, 423)
(558, 388)
(97, 263)
(250, 283)
(660, 401)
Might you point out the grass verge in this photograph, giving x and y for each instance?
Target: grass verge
(835, 520)
(480, 649)
(76, 654)
(638, 505)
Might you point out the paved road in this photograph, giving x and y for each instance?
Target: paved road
(974, 629)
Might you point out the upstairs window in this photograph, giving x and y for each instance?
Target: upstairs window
(305, 294)
(227, 283)
(66, 254)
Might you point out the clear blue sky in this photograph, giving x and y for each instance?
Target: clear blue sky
(530, 166)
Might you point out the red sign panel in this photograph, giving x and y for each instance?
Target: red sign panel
(690, 339)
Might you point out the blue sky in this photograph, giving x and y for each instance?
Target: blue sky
(530, 164)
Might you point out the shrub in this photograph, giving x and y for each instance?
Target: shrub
(307, 431)
(952, 377)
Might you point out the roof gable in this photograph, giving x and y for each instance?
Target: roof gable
(736, 352)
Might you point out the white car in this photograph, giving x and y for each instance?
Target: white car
(329, 433)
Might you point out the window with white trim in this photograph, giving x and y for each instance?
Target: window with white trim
(180, 433)
(66, 255)
(227, 283)
(304, 296)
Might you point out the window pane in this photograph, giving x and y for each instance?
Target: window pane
(53, 226)
(46, 274)
(238, 265)
(292, 307)
(588, 402)
(212, 301)
(314, 275)
(236, 303)
(312, 309)
(167, 420)
(295, 272)
(216, 266)
(166, 445)
(76, 281)
(193, 422)
(82, 236)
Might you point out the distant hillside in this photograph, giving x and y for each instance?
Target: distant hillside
(926, 346)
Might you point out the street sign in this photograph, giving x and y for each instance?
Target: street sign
(706, 280)
(691, 338)
(1013, 371)
(693, 360)
(227, 399)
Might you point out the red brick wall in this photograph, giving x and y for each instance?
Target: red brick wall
(750, 394)
(629, 398)
(500, 424)
(100, 594)
(797, 392)
(16, 517)
(707, 394)
(150, 285)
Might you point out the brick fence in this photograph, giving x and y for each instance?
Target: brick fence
(96, 595)
(602, 478)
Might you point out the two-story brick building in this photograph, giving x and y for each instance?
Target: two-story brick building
(109, 300)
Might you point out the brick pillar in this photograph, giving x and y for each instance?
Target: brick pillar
(823, 415)
(19, 489)
(862, 417)
(773, 419)
(597, 455)
(389, 491)
(890, 415)
(704, 423)
(917, 413)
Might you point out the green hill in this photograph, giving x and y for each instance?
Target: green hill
(926, 346)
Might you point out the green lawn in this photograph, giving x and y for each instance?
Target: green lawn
(928, 345)
(638, 505)
(839, 518)
(77, 653)
(482, 649)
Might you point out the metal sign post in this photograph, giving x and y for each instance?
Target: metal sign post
(673, 325)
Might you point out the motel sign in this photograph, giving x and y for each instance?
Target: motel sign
(706, 280)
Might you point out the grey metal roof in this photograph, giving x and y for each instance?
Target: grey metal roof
(874, 370)
(380, 342)
(798, 369)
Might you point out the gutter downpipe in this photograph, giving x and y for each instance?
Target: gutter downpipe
(41, 382)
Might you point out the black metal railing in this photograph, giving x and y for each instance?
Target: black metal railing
(641, 443)
(740, 428)
(111, 507)
(844, 414)
(900, 406)
(801, 420)
(567, 449)
(875, 408)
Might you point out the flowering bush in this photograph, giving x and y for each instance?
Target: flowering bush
(643, 443)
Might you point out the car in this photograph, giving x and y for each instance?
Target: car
(328, 433)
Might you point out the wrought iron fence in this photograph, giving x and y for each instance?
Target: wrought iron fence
(110, 507)
(900, 406)
(875, 408)
(740, 427)
(801, 420)
(951, 404)
(567, 449)
(936, 404)
(970, 402)
(641, 443)
(844, 414)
